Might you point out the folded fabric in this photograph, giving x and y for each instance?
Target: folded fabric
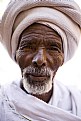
(17, 105)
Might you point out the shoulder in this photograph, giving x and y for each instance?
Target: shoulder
(67, 87)
(75, 92)
(72, 90)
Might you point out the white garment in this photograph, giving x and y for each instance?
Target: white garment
(16, 105)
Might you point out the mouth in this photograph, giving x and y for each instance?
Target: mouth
(36, 75)
(35, 79)
(38, 78)
(37, 82)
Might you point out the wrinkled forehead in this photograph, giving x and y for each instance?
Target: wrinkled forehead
(40, 30)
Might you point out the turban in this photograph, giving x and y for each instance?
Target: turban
(64, 16)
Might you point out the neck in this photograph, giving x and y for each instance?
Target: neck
(45, 97)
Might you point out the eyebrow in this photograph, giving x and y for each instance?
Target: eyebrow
(56, 43)
(29, 40)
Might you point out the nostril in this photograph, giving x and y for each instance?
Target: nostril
(34, 63)
(44, 64)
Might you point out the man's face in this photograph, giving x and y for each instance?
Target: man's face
(39, 55)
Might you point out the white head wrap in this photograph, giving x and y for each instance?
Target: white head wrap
(64, 16)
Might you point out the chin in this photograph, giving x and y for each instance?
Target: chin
(37, 88)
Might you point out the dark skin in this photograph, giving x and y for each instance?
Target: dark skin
(41, 48)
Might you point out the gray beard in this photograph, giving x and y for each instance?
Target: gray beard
(37, 86)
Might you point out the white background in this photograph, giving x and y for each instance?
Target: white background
(69, 74)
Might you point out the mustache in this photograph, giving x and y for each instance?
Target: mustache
(35, 71)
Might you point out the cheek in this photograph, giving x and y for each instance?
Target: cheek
(58, 59)
(24, 60)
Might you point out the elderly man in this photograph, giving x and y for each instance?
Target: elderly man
(40, 35)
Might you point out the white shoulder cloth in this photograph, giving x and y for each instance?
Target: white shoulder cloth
(16, 105)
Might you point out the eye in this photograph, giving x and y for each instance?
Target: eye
(28, 48)
(53, 48)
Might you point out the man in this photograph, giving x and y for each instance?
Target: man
(40, 36)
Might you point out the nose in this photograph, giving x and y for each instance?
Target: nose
(40, 58)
